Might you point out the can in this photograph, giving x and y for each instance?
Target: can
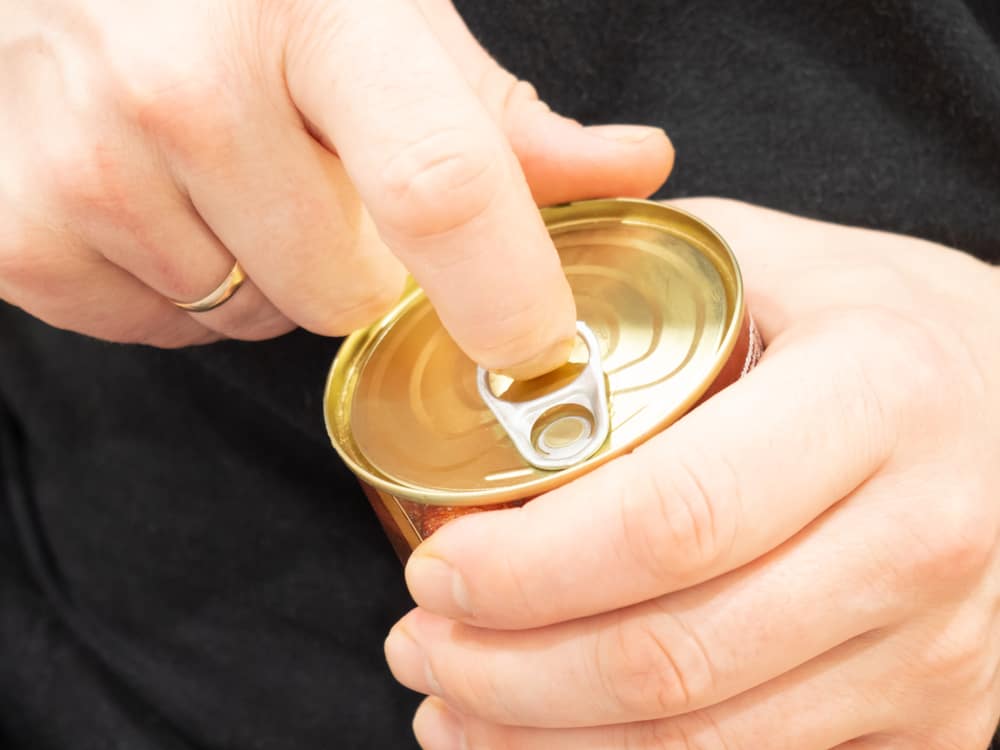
(663, 326)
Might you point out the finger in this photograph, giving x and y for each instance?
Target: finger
(70, 287)
(285, 208)
(730, 481)
(834, 266)
(97, 181)
(561, 159)
(439, 179)
(824, 703)
(681, 652)
(157, 237)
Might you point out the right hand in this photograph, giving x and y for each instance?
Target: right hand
(325, 144)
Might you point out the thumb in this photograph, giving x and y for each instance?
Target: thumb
(561, 159)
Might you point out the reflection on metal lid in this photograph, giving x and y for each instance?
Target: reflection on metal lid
(661, 293)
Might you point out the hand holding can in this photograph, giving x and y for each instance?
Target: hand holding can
(810, 559)
(307, 155)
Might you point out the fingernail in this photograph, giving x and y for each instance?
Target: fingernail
(409, 663)
(437, 727)
(437, 586)
(546, 361)
(628, 134)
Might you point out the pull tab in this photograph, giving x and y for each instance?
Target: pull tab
(562, 428)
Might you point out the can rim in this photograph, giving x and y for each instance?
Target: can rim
(349, 359)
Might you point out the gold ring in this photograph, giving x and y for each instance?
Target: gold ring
(223, 292)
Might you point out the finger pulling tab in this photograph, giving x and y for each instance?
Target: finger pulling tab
(563, 427)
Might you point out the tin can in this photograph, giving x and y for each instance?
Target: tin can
(663, 327)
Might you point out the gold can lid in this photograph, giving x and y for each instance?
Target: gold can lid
(659, 289)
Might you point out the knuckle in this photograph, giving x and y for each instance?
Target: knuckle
(954, 543)
(85, 180)
(505, 96)
(907, 345)
(888, 380)
(904, 360)
(520, 97)
(655, 667)
(969, 534)
(440, 183)
(685, 521)
(951, 662)
(172, 275)
(190, 116)
(956, 659)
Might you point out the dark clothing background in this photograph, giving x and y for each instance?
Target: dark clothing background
(184, 563)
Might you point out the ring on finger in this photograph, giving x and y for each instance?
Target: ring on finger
(219, 295)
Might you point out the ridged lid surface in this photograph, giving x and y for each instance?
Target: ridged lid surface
(660, 290)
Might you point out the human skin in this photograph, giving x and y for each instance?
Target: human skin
(808, 560)
(325, 144)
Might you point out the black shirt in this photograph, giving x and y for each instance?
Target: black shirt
(184, 563)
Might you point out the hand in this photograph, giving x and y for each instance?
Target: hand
(325, 144)
(808, 560)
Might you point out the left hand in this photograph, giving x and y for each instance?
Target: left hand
(808, 560)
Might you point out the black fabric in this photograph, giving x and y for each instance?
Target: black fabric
(880, 113)
(184, 563)
(203, 572)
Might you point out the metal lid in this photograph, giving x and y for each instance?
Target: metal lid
(659, 289)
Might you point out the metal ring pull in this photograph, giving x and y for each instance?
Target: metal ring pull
(562, 428)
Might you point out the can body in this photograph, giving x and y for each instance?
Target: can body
(665, 296)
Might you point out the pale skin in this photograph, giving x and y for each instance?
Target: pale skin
(808, 560)
(326, 145)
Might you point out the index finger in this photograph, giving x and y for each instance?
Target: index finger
(729, 482)
(438, 178)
